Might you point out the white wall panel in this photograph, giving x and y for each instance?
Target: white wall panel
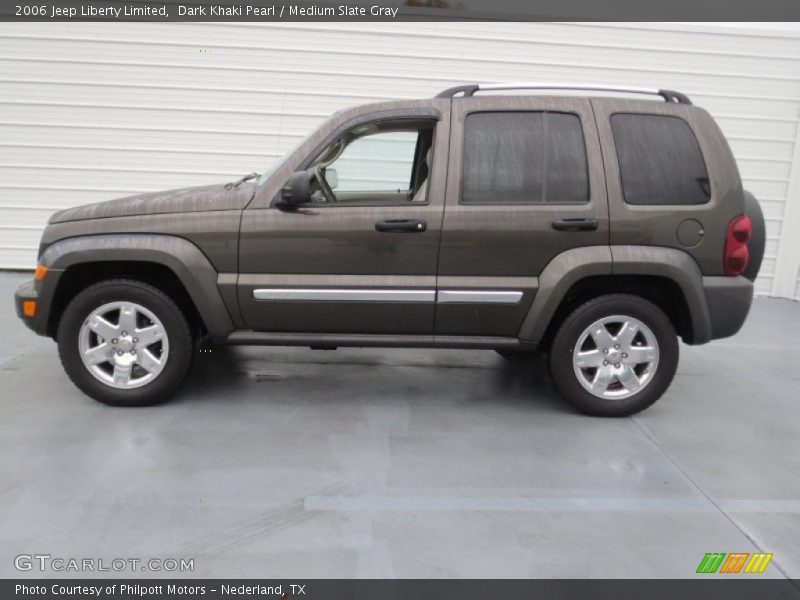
(94, 111)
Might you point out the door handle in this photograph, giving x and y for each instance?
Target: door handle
(579, 224)
(401, 226)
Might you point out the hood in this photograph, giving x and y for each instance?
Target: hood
(183, 200)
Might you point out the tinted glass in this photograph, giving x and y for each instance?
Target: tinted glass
(660, 161)
(524, 157)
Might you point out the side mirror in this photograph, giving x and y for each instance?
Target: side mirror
(332, 177)
(297, 190)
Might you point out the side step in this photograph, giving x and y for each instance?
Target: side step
(327, 341)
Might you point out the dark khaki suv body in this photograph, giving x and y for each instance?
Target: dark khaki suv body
(598, 228)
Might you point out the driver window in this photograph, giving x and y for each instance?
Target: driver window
(383, 163)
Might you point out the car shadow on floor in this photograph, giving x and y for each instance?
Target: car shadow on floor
(224, 372)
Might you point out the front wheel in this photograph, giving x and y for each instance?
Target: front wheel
(125, 343)
(614, 356)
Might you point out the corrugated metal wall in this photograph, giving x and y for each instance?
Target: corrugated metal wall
(96, 111)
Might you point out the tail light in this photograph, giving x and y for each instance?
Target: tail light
(736, 253)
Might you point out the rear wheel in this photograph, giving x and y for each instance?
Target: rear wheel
(125, 343)
(614, 355)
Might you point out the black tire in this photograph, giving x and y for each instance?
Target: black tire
(181, 343)
(561, 354)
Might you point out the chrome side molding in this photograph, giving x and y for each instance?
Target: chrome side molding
(478, 296)
(389, 295)
(345, 295)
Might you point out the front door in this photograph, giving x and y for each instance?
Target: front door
(525, 182)
(361, 257)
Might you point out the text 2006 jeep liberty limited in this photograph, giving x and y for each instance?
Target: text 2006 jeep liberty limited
(598, 228)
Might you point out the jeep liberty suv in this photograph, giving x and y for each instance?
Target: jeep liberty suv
(600, 229)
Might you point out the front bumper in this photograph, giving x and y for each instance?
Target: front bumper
(26, 293)
(41, 292)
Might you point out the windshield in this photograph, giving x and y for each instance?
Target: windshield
(277, 164)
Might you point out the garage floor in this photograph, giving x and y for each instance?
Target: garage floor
(405, 463)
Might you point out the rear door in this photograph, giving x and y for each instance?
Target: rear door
(525, 182)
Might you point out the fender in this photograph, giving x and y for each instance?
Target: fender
(181, 256)
(573, 265)
(555, 280)
(673, 264)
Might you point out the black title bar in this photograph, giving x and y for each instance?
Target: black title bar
(402, 10)
(742, 588)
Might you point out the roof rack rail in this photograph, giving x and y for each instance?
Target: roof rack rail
(470, 89)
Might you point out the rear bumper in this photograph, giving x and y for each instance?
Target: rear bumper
(728, 300)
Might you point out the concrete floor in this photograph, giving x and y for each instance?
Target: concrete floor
(406, 463)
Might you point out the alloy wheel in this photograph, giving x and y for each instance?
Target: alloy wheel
(615, 357)
(123, 344)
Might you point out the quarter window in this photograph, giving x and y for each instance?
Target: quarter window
(524, 158)
(660, 161)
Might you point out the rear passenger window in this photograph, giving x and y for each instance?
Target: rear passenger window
(660, 161)
(524, 158)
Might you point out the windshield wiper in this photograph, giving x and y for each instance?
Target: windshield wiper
(248, 177)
